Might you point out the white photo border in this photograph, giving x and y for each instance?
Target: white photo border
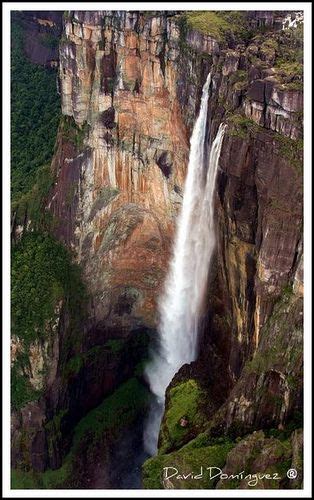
(302, 6)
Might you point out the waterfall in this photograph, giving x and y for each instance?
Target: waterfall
(181, 303)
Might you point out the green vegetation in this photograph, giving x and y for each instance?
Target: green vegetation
(22, 392)
(115, 345)
(239, 79)
(35, 114)
(295, 85)
(270, 44)
(73, 132)
(278, 460)
(22, 480)
(140, 368)
(289, 61)
(55, 423)
(50, 479)
(296, 422)
(272, 449)
(221, 25)
(54, 431)
(284, 323)
(189, 458)
(205, 439)
(115, 413)
(241, 126)
(50, 40)
(281, 50)
(74, 365)
(185, 400)
(42, 275)
(290, 73)
(31, 205)
(208, 23)
(292, 150)
(269, 49)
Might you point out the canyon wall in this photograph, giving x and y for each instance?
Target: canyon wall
(130, 86)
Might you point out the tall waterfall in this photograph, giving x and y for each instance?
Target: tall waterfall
(181, 304)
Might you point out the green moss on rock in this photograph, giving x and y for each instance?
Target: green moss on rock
(187, 459)
(72, 132)
(241, 126)
(257, 454)
(239, 79)
(115, 345)
(97, 353)
(253, 453)
(275, 354)
(73, 366)
(115, 413)
(292, 150)
(289, 61)
(22, 391)
(185, 401)
(50, 479)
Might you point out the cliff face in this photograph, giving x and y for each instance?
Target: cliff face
(130, 86)
(255, 299)
(118, 78)
(122, 76)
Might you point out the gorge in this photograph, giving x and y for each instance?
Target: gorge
(156, 120)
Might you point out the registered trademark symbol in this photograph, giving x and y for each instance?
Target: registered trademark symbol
(292, 474)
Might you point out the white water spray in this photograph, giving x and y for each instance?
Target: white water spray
(181, 304)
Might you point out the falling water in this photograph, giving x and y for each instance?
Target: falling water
(181, 303)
